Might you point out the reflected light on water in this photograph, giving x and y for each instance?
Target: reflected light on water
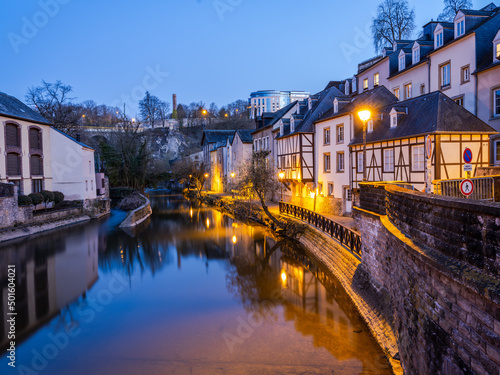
(234, 239)
(208, 223)
(191, 212)
(283, 277)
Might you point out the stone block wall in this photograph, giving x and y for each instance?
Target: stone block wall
(324, 205)
(446, 311)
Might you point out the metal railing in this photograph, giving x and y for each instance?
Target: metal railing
(484, 188)
(345, 236)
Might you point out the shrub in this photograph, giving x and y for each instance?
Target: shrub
(58, 197)
(36, 198)
(24, 200)
(48, 196)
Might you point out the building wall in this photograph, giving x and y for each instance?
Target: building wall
(459, 54)
(417, 76)
(382, 68)
(258, 139)
(73, 168)
(242, 152)
(487, 82)
(25, 178)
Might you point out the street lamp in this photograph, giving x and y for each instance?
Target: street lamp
(281, 175)
(206, 186)
(364, 115)
(232, 182)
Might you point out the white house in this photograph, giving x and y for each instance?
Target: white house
(73, 168)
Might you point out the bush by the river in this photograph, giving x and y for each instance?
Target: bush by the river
(58, 197)
(48, 196)
(24, 200)
(36, 198)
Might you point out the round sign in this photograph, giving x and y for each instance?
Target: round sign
(428, 146)
(466, 187)
(467, 155)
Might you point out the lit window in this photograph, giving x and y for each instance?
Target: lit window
(360, 161)
(365, 84)
(497, 51)
(294, 162)
(497, 151)
(465, 74)
(496, 102)
(396, 92)
(460, 28)
(370, 126)
(408, 91)
(439, 39)
(445, 75)
(389, 160)
(376, 79)
(417, 158)
(340, 162)
(326, 136)
(340, 133)
(459, 101)
(326, 163)
(330, 187)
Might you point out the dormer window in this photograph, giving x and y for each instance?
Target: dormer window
(292, 124)
(347, 88)
(416, 54)
(496, 47)
(354, 84)
(438, 38)
(335, 106)
(369, 126)
(394, 47)
(497, 51)
(309, 104)
(460, 28)
(394, 118)
(365, 84)
(376, 79)
(402, 61)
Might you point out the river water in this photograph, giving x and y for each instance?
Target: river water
(191, 291)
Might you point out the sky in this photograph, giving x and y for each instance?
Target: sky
(203, 50)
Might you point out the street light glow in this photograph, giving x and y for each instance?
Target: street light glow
(232, 174)
(364, 115)
(281, 175)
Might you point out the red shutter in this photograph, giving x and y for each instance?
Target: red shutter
(12, 135)
(13, 165)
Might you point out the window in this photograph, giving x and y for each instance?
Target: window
(370, 126)
(416, 55)
(35, 138)
(36, 186)
(234, 155)
(12, 135)
(439, 39)
(340, 162)
(460, 28)
(422, 89)
(326, 136)
(90, 167)
(255, 145)
(497, 51)
(260, 144)
(459, 101)
(497, 152)
(376, 79)
(465, 74)
(335, 106)
(326, 162)
(330, 187)
(86, 185)
(402, 62)
(389, 160)
(294, 162)
(496, 102)
(417, 158)
(349, 195)
(340, 133)
(394, 120)
(365, 84)
(92, 184)
(360, 161)
(396, 92)
(13, 164)
(36, 165)
(408, 91)
(444, 76)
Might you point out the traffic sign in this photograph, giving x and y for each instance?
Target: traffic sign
(428, 146)
(468, 167)
(467, 155)
(466, 187)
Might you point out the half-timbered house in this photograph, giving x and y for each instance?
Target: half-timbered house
(295, 141)
(395, 143)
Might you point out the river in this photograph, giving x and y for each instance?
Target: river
(192, 291)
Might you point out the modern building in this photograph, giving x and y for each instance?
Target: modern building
(272, 100)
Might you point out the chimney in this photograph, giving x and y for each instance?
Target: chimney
(174, 106)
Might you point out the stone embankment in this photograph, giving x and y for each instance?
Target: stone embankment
(139, 215)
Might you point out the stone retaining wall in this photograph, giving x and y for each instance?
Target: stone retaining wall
(436, 261)
(138, 215)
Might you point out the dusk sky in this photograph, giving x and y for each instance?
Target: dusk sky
(203, 50)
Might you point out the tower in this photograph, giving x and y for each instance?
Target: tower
(174, 106)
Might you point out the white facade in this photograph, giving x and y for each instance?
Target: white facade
(375, 75)
(241, 153)
(272, 100)
(72, 167)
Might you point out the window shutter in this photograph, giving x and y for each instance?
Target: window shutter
(12, 135)
(13, 165)
(35, 139)
(36, 165)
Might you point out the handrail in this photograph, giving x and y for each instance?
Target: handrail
(484, 188)
(345, 236)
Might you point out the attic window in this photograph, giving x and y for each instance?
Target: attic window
(496, 52)
(369, 125)
(460, 28)
(394, 120)
(402, 62)
(365, 84)
(376, 79)
(335, 106)
(292, 124)
(416, 55)
(439, 39)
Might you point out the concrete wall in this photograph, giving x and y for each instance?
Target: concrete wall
(417, 76)
(138, 215)
(436, 260)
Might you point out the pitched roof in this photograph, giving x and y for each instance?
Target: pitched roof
(70, 137)
(273, 117)
(245, 135)
(216, 136)
(433, 113)
(14, 108)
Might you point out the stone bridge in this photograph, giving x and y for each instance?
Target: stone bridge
(434, 261)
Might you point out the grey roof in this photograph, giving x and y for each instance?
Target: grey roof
(14, 108)
(70, 137)
(216, 136)
(427, 114)
(472, 12)
(272, 117)
(245, 135)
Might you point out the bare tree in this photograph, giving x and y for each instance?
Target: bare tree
(52, 101)
(451, 7)
(163, 112)
(188, 171)
(394, 21)
(213, 109)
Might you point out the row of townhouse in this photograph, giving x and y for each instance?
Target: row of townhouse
(224, 154)
(38, 157)
(445, 84)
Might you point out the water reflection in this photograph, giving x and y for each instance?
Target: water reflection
(189, 266)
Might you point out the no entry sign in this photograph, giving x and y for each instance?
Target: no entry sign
(466, 187)
(467, 155)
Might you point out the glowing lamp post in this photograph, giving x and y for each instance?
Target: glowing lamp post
(232, 182)
(281, 175)
(206, 186)
(364, 116)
